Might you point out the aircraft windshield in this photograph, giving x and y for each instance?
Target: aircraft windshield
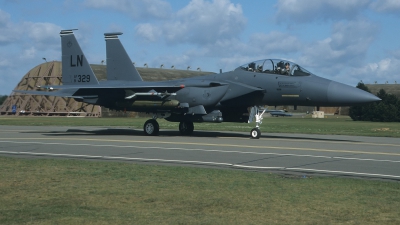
(275, 66)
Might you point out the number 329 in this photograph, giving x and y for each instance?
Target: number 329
(82, 78)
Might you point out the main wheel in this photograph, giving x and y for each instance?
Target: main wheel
(255, 133)
(186, 128)
(151, 127)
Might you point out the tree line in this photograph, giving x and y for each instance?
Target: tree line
(387, 110)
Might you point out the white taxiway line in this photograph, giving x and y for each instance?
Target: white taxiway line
(113, 158)
(201, 163)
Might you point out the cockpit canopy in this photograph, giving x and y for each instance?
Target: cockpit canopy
(275, 66)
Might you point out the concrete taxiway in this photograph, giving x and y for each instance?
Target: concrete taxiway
(367, 157)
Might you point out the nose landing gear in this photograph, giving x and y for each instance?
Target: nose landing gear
(256, 113)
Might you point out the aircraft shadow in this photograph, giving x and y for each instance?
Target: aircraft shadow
(173, 133)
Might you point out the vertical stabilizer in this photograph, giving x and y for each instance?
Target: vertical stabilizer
(119, 65)
(75, 67)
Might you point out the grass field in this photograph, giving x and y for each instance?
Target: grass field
(331, 125)
(52, 191)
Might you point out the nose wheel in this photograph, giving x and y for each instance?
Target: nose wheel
(255, 133)
(151, 127)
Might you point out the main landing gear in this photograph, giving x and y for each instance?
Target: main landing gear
(256, 113)
(152, 128)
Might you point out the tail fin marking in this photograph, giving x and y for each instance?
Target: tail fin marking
(75, 67)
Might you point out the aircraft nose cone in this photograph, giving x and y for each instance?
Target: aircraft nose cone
(346, 95)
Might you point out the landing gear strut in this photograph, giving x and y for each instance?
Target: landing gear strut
(186, 128)
(256, 113)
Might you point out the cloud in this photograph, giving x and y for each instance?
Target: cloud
(4, 18)
(200, 22)
(9, 33)
(230, 53)
(303, 11)
(42, 31)
(355, 37)
(138, 9)
(396, 54)
(43, 35)
(234, 61)
(4, 62)
(274, 42)
(386, 6)
(383, 71)
(220, 48)
(148, 32)
(258, 45)
(29, 53)
(346, 47)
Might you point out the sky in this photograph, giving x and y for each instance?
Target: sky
(346, 41)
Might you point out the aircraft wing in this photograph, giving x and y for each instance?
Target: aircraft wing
(108, 86)
(178, 84)
(94, 92)
(120, 90)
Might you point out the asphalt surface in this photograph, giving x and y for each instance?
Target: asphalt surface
(303, 155)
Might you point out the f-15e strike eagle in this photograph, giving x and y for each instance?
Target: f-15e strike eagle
(235, 96)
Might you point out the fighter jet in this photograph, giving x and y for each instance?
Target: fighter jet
(236, 96)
